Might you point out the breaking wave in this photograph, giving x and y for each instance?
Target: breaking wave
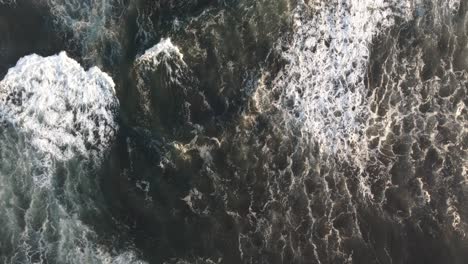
(58, 122)
(254, 131)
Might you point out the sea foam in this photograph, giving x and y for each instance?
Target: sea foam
(57, 122)
(64, 110)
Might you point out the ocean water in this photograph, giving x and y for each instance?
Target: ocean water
(233, 131)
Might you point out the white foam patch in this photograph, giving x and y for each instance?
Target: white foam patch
(322, 86)
(65, 110)
(52, 110)
(163, 54)
(155, 55)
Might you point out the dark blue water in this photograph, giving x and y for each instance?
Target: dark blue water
(233, 131)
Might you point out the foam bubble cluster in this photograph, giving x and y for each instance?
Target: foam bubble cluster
(163, 81)
(158, 52)
(323, 86)
(57, 121)
(65, 110)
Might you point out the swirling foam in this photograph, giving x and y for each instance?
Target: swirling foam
(158, 52)
(65, 110)
(323, 87)
(162, 82)
(57, 123)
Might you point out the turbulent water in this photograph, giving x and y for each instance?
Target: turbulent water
(235, 131)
